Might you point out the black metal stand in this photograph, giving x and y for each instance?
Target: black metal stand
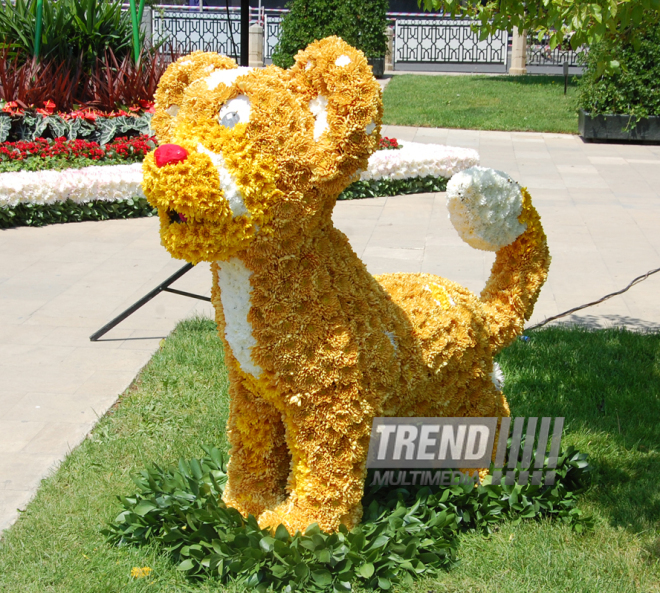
(162, 287)
(245, 33)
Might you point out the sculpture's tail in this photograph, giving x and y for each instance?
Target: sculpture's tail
(491, 212)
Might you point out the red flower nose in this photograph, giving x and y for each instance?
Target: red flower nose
(170, 153)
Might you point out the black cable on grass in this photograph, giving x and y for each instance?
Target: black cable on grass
(608, 296)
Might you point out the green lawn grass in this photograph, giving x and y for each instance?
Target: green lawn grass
(522, 103)
(606, 384)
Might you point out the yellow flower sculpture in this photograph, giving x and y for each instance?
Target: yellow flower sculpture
(250, 165)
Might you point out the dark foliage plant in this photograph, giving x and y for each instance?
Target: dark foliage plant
(393, 187)
(622, 75)
(404, 534)
(101, 129)
(68, 211)
(362, 23)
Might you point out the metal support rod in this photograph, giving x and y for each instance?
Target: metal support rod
(245, 33)
(162, 287)
(187, 294)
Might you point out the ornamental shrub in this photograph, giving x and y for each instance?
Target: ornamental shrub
(86, 56)
(627, 84)
(78, 30)
(362, 23)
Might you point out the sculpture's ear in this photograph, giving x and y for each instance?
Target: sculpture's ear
(336, 85)
(173, 84)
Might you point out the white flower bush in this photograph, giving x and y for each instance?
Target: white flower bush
(415, 159)
(484, 206)
(120, 182)
(111, 183)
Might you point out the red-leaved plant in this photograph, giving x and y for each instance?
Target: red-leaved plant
(65, 86)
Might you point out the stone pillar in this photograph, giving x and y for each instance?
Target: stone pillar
(256, 59)
(146, 26)
(518, 53)
(389, 56)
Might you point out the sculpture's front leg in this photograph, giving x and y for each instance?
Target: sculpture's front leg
(328, 446)
(259, 463)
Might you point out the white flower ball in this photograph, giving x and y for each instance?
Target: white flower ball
(484, 206)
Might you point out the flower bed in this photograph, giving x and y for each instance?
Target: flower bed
(35, 198)
(61, 153)
(45, 195)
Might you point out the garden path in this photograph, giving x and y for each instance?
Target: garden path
(600, 205)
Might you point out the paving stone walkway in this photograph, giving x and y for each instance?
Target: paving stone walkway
(600, 206)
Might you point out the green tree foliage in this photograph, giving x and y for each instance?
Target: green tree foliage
(630, 84)
(583, 21)
(362, 23)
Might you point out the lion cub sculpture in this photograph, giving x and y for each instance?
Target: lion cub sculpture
(250, 165)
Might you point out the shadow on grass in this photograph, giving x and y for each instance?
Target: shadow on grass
(533, 80)
(607, 386)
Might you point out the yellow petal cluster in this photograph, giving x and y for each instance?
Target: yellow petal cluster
(334, 346)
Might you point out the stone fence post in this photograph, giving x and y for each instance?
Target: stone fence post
(518, 53)
(256, 59)
(146, 26)
(389, 56)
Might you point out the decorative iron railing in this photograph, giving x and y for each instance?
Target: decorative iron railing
(187, 29)
(446, 41)
(539, 53)
(272, 29)
(421, 39)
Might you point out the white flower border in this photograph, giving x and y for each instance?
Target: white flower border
(110, 183)
(415, 159)
(120, 182)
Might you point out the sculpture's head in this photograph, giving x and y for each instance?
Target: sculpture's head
(263, 152)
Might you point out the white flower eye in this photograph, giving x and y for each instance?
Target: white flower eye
(235, 111)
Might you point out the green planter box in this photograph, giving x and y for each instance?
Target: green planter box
(618, 127)
(378, 66)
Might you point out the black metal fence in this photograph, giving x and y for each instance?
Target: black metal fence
(272, 30)
(185, 30)
(445, 41)
(539, 53)
(420, 40)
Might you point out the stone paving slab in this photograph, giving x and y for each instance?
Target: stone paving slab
(600, 206)
(59, 284)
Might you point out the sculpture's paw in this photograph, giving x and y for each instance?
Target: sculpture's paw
(295, 518)
(288, 515)
(246, 505)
